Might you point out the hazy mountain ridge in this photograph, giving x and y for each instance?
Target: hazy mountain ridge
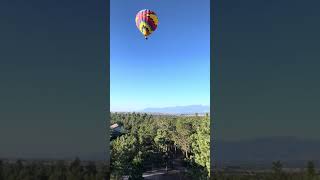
(98, 156)
(191, 109)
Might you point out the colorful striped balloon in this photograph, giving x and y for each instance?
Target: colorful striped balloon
(146, 22)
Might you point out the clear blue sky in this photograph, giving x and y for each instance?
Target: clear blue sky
(172, 67)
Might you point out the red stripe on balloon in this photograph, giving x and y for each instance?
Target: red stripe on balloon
(151, 23)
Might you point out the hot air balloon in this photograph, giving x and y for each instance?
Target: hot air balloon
(146, 22)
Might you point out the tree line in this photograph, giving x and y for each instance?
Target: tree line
(158, 141)
(277, 173)
(60, 170)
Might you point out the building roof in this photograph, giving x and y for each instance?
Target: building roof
(114, 126)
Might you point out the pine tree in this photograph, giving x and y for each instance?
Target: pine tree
(201, 145)
(1, 171)
(277, 170)
(311, 172)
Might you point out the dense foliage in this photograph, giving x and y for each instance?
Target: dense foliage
(154, 141)
(54, 170)
(276, 173)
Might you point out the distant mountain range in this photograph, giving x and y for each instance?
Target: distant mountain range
(191, 109)
(96, 156)
(292, 151)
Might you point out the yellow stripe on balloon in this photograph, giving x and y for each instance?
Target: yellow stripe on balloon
(154, 18)
(143, 31)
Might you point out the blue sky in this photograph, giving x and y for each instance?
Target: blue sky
(172, 67)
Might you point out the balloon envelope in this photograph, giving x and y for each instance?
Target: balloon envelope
(146, 22)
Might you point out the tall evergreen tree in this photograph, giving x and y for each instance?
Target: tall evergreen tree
(1, 171)
(311, 172)
(277, 170)
(201, 145)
